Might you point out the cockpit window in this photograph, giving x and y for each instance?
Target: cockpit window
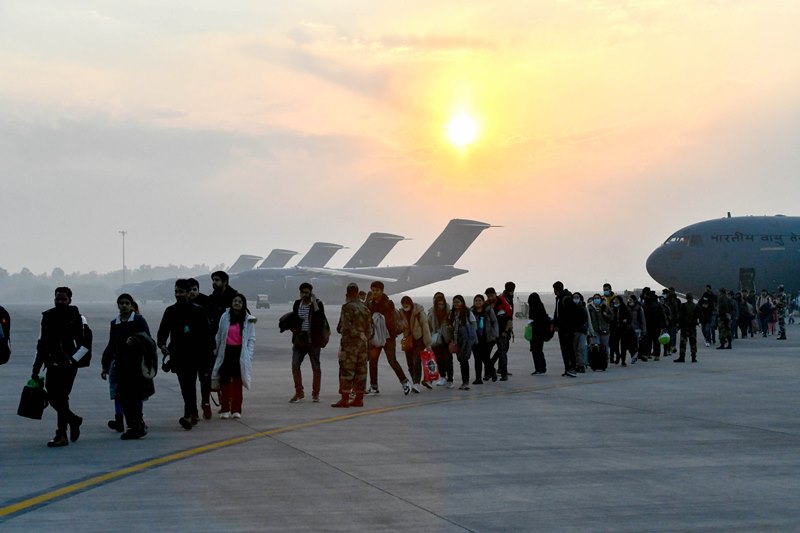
(695, 240)
(678, 239)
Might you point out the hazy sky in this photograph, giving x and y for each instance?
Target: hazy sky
(208, 129)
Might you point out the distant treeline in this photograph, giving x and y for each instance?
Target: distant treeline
(25, 286)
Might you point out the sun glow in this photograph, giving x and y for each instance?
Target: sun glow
(462, 130)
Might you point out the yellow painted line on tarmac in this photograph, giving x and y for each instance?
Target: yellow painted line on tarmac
(94, 481)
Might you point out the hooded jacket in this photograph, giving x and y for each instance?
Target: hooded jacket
(417, 326)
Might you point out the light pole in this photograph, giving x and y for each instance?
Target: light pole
(123, 233)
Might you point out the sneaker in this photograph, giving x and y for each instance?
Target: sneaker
(571, 374)
(478, 382)
(296, 398)
(464, 386)
(133, 433)
(117, 424)
(623, 363)
(207, 411)
(426, 385)
(709, 344)
(450, 384)
(193, 419)
(185, 423)
(633, 359)
(75, 428)
(224, 416)
(58, 441)
(315, 398)
(237, 416)
(415, 388)
(374, 390)
(441, 382)
(407, 387)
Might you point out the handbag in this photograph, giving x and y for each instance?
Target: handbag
(33, 401)
(436, 339)
(452, 347)
(407, 344)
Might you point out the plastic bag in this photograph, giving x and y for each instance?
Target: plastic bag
(429, 369)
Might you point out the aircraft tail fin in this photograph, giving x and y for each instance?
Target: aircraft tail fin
(277, 258)
(319, 254)
(374, 250)
(245, 262)
(451, 244)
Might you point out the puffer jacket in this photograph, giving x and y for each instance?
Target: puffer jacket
(417, 327)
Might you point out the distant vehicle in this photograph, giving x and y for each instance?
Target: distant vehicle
(262, 302)
(751, 252)
(522, 309)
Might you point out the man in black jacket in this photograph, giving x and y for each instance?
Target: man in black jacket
(308, 339)
(63, 342)
(220, 299)
(204, 373)
(563, 324)
(186, 327)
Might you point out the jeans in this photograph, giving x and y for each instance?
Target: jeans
(444, 360)
(187, 379)
(58, 383)
(298, 354)
(414, 361)
(482, 352)
(501, 355)
(391, 357)
(565, 341)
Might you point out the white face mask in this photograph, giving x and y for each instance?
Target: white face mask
(406, 308)
(576, 300)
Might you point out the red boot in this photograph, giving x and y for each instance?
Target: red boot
(344, 402)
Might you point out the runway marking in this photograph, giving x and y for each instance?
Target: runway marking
(28, 504)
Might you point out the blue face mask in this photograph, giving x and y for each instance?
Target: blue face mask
(606, 293)
(616, 304)
(597, 301)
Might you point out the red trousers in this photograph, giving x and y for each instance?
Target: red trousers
(230, 395)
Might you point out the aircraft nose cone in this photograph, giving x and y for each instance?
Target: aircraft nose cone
(656, 266)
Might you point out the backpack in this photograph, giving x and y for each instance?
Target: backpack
(380, 333)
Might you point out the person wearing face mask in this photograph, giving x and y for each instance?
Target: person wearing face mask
(622, 337)
(504, 313)
(464, 335)
(608, 294)
(639, 324)
(441, 334)
(674, 306)
(600, 316)
(656, 324)
(724, 312)
(416, 337)
(582, 330)
(487, 332)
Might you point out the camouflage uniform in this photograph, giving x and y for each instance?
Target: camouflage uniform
(355, 326)
(782, 302)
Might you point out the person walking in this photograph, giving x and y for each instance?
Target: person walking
(540, 332)
(185, 340)
(486, 331)
(308, 340)
(378, 302)
(235, 342)
(582, 330)
(639, 324)
(563, 318)
(725, 308)
(355, 327)
(64, 341)
(465, 336)
(764, 306)
(122, 364)
(782, 305)
(441, 334)
(600, 317)
(504, 312)
(622, 337)
(416, 337)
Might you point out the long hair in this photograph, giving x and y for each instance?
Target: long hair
(440, 314)
(238, 317)
(460, 316)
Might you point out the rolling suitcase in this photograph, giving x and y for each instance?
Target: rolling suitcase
(598, 358)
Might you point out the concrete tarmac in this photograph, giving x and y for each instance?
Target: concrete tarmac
(656, 446)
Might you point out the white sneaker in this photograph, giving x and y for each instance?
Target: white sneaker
(415, 388)
(708, 345)
(226, 415)
(441, 382)
(450, 384)
(407, 387)
(237, 415)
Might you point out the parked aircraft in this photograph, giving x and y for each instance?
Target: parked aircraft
(748, 252)
(245, 262)
(436, 264)
(277, 258)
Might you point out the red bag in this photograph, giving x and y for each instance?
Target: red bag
(429, 368)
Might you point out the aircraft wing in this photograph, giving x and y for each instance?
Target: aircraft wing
(343, 274)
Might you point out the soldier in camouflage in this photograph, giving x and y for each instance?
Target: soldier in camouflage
(355, 327)
(782, 303)
(688, 317)
(724, 309)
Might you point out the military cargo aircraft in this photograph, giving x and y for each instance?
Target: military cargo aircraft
(750, 252)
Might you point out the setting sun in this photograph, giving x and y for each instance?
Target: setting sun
(462, 130)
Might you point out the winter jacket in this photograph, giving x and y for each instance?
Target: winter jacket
(540, 321)
(248, 346)
(416, 325)
(600, 317)
(385, 306)
(638, 320)
(191, 340)
(490, 330)
(443, 327)
(319, 332)
(64, 338)
(654, 315)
